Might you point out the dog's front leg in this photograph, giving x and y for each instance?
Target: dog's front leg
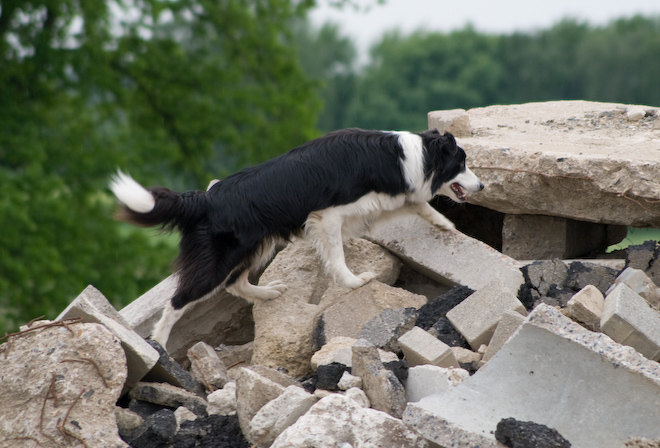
(324, 229)
(431, 215)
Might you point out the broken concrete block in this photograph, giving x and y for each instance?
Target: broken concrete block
(339, 350)
(167, 370)
(286, 340)
(253, 391)
(385, 329)
(638, 281)
(384, 390)
(629, 320)
(331, 423)
(92, 306)
(477, 316)
(518, 145)
(455, 121)
(428, 380)
(206, 366)
(279, 414)
(508, 324)
(554, 372)
(352, 312)
(220, 319)
(586, 307)
(419, 347)
(165, 394)
(80, 368)
(223, 401)
(446, 257)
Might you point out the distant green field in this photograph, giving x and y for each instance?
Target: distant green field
(636, 236)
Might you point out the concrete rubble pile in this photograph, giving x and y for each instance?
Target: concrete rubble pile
(454, 344)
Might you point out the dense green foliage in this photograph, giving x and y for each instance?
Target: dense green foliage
(180, 92)
(409, 75)
(174, 92)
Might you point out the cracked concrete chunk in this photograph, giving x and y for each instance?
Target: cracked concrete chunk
(561, 155)
(539, 376)
(447, 257)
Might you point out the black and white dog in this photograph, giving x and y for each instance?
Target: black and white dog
(332, 188)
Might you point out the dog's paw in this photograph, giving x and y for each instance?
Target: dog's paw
(444, 224)
(277, 287)
(360, 280)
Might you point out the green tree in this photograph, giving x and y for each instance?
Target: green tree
(329, 58)
(175, 92)
(409, 76)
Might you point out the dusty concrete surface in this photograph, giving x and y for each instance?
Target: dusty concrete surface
(576, 159)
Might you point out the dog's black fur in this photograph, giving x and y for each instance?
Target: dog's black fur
(223, 229)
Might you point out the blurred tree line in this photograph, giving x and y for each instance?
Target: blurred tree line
(409, 75)
(177, 93)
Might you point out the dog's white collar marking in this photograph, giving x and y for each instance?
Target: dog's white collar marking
(132, 194)
(413, 166)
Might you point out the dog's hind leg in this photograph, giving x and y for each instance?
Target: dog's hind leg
(239, 285)
(324, 228)
(243, 288)
(163, 327)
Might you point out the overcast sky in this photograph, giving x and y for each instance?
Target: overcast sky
(497, 16)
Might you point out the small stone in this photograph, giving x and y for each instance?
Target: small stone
(223, 401)
(465, 356)
(381, 385)
(167, 370)
(586, 307)
(183, 414)
(279, 414)
(167, 395)
(517, 434)
(156, 431)
(384, 329)
(206, 366)
(635, 113)
(339, 350)
(419, 347)
(358, 396)
(348, 381)
(328, 375)
(331, 423)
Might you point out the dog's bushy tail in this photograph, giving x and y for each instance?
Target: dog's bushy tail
(157, 206)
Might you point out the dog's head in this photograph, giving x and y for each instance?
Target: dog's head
(444, 163)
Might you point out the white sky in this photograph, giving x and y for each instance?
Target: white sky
(495, 16)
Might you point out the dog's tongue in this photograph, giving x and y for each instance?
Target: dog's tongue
(460, 194)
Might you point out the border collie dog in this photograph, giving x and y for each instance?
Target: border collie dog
(332, 188)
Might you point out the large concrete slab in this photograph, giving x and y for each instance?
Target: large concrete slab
(552, 371)
(576, 159)
(447, 257)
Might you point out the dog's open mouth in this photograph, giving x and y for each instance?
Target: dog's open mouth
(458, 191)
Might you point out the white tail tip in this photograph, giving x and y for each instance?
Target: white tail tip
(132, 194)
